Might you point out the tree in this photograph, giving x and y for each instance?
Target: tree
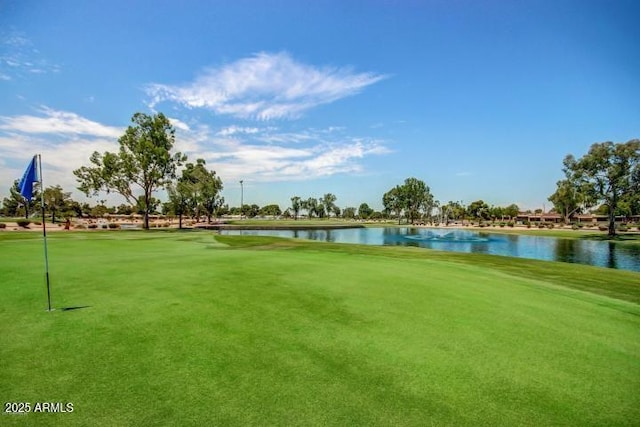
(15, 203)
(512, 211)
(180, 195)
(98, 211)
(416, 197)
(250, 211)
(632, 198)
(152, 207)
(270, 210)
(364, 211)
(205, 188)
(56, 200)
(393, 202)
(328, 200)
(349, 212)
(453, 210)
(295, 206)
(310, 205)
(223, 208)
(144, 161)
(609, 171)
(124, 209)
(478, 209)
(569, 198)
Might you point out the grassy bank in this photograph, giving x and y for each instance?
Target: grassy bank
(181, 328)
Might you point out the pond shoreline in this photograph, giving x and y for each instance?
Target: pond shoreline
(276, 227)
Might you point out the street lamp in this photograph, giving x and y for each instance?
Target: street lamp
(241, 196)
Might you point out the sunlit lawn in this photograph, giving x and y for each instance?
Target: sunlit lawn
(190, 328)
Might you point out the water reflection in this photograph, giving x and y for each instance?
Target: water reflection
(598, 253)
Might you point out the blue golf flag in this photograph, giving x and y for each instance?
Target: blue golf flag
(30, 176)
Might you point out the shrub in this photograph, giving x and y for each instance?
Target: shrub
(104, 226)
(113, 225)
(550, 225)
(622, 227)
(79, 226)
(540, 225)
(23, 223)
(3, 225)
(510, 224)
(528, 225)
(602, 228)
(575, 227)
(502, 224)
(93, 226)
(37, 223)
(580, 225)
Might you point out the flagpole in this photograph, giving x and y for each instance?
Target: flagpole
(44, 233)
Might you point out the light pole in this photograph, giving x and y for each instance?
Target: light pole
(241, 197)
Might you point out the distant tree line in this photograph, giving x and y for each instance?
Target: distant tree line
(606, 178)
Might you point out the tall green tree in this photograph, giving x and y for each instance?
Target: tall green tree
(270, 210)
(479, 210)
(16, 205)
(512, 211)
(364, 211)
(453, 211)
(417, 198)
(328, 200)
(143, 163)
(296, 206)
(56, 200)
(349, 212)
(393, 201)
(609, 170)
(570, 197)
(310, 205)
(181, 201)
(205, 186)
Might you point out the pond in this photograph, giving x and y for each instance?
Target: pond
(590, 252)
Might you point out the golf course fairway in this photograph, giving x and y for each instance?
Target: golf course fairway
(192, 328)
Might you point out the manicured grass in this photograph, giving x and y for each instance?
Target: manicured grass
(190, 328)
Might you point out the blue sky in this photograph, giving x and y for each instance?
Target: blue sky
(480, 99)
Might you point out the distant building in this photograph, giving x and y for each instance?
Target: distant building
(538, 217)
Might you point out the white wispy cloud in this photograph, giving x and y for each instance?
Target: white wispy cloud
(60, 156)
(57, 122)
(233, 130)
(66, 140)
(179, 124)
(266, 154)
(264, 86)
(20, 58)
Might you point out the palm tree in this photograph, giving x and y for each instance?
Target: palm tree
(295, 206)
